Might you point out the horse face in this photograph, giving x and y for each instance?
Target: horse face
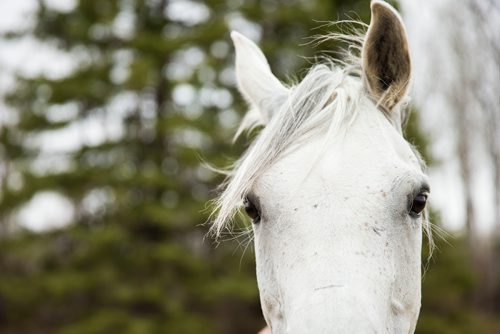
(337, 244)
(337, 209)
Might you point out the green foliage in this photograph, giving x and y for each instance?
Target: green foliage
(448, 293)
(417, 138)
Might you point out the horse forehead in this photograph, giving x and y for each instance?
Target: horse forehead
(372, 153)
(310, 173)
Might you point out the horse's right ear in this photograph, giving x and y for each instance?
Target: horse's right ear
(256, 82)
(386, 56)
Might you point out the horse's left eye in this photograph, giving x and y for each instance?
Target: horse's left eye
(251, 210)
(418, 204)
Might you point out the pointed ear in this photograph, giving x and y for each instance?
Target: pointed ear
(256, 82)
(386, 56)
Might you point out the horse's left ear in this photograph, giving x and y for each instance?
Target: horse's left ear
(386, 56)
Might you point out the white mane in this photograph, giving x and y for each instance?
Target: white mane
(323, 102)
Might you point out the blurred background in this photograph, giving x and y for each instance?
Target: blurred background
(108, 108)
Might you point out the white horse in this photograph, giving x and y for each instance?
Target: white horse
(335, 193)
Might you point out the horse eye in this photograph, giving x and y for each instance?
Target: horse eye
(251, 210)
(418, 205)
